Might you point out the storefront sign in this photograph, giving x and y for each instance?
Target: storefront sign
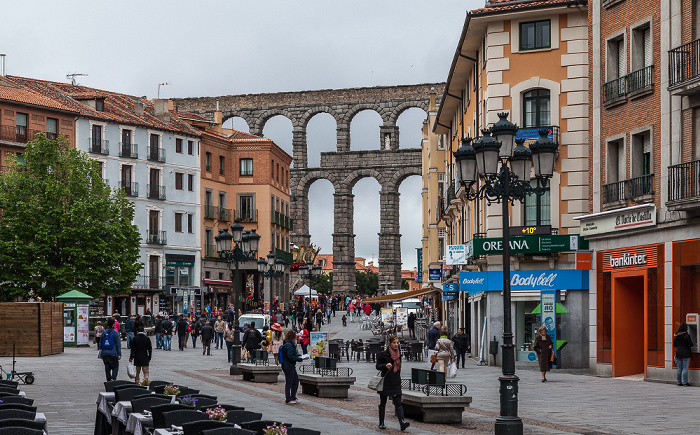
(529, 244)
(584, 260)
(449, 297)
(450, 287)
(628, 218)
(634, 258)
(477, 282)
(458, 254)
(434, 274)
(419, 275)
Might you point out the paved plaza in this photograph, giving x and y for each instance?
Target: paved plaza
(67, 385)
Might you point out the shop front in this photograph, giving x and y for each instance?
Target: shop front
(557, 299)
(686, 293)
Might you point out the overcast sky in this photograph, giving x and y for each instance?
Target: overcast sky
(208, 48)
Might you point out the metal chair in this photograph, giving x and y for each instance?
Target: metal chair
(17, 413)
(21, 422)
(197, 427)
(140, 404)
(127, 394)
(14, 430)
(239, 417)
(228, 431)
(157, 412)
(109, 385)
(22, 406)
(259, 425)
(182, 416)
(17, 399)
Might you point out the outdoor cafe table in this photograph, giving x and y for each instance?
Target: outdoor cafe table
(137, 422)
(103, 417)
(120, 415)
(41, 417)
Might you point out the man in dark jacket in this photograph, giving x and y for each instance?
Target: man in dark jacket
(290, 357)
(412, 325)
(433, 336)
(461, 344)
(167, 333)
(252, 338)
(141, 353)
(206, 334)
(158, 330)
(181, 332)
(130, 331)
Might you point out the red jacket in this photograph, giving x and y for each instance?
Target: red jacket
(304, 336)
(368, 309)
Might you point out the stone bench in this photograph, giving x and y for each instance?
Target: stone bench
(259, 373)
(434, 409)
(326, 386)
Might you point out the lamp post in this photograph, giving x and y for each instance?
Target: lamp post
(310, 271)
(271, 268)
(245, 247)
(505, 184)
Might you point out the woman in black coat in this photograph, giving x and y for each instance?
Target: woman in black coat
(389, 363)
(543, 347)
(683, 344)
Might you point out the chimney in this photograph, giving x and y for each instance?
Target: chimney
(2, 65)
(138, 108)
(218, 116)
(160, 107)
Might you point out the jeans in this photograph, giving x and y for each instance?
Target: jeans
(159, 340)
(682, 370)
(181, 341)
(111, 363)
(303, 348)
(194, 341)
(206, 347)
(352, 316)
(219, 339)
(229, 351)
(129, 337)
(167, 341)
(291, 384)
(140, 369)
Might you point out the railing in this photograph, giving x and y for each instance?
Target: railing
(641, 79)
(149, 283)
(156, 191)
(628, 189)
(209, 212)
(225, 214)
(155, 154)
(683, 62)
(641, 186)
(684, 181)
(130, 150)
(337, 372)
(247, 215)
(98, 146)
(613, 192)
(210, 250)
(445, 389)
(51, 135)
(155, 237)
(615, 88)
(130, 189)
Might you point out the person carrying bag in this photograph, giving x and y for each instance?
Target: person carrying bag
(389, 365)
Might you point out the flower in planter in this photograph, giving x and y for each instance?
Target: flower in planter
(145, 382)
(172, 390)
(188, 400)
(217, 413)
(276, 429)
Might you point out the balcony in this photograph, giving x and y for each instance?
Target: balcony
(130, 189)
(640, 81)
(155, 237)
(224, 214)
(156, 191)
(98, 146)
(210, 250)
(247, 215)
(16, 133)
(615, 90)
(153, 283)
(684, 186)
(155, 154)
(130, 150)
(684, 69)
(210, 212)
(635, 188)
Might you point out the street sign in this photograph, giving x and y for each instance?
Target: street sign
(543, 244)
(434, 274)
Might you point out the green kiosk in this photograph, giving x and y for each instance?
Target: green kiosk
(76, 329)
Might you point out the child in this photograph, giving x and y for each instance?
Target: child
(345, 320)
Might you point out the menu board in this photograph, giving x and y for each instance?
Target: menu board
(83, 328)
(387, 315)
(402, 318)
(319, 344)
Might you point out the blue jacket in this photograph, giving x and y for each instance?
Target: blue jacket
(290, 356)
(117, 349)
(433, 336)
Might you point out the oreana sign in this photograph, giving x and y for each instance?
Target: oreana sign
(542, 244)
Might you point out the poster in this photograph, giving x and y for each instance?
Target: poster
(402, 318)
(83, 336)
(319, 344)
(387, 316)
(68, 334)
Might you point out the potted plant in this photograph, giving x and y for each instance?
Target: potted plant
(171, 390)
(276, 429)
(217, 413)
(145, 382)
(188, 400)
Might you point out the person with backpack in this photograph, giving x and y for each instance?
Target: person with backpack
(111, 351)
(288, 358)
(167, 326)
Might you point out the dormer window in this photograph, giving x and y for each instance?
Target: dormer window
(100, 104)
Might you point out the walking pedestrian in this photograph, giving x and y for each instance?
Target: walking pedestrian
(219, 328)
(683, 344)
(167, 333)
(117, 326)
(351, 311)
(290, 357)
(543, 347)
(229, 336)
(412, 325)
(111, 351)
(141, 353)
(433, 336)
(196, 328)
(304, 339)
(462, 345)
(158, 331)
(328, 314)
(207, 333)
(181, 329)
(445, 351)
(252, 339)
(130, 330)
(99, 330)
(389, 363)
(319, 319)
(277, 339)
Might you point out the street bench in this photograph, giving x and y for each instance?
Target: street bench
(325, 382)
(434, 409)
(259, 373)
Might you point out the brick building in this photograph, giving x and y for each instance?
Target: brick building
(645, 185)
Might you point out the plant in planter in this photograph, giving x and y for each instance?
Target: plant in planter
(171, 390)
(276, 429)
(217, 413)
(188, 400)
(145, 382)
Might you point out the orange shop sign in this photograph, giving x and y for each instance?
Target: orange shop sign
(638, 257)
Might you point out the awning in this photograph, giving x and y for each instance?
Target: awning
(403, 295)
(212, 281)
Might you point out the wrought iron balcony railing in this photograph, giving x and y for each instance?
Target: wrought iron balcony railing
(17, 133)
(628, 189)
(130, 150)
(641, 79)
(156, 191)
(684, 63)
(99, 146)
(224, 214)
(156, 154)
(155, 283)
(247, 215)
(614, 89)
(210, 212)
(684, 181)
(130, 189)
(155, 237)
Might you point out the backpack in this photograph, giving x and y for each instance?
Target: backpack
(107, 342)
(280, 354)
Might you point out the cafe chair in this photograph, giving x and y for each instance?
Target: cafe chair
(239, 417)
(17, 399)
(17, 413)
(157, 412)
(21, 406)
(302, 431)
(260, 425)
(182, 416)
(140, 404)
(203, 402)
(127, 394)
(225, 406)
(15, 430)
(22, 422)
(109, 385)
(228, 431)
(197, 427)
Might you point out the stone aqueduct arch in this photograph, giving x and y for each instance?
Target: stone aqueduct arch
(343, 168)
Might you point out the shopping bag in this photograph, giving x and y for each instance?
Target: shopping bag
(376, 383)
(131, 370)
(452, 370)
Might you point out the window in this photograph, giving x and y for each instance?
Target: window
(246, 207)
(246, 167)
(207, 274)
(536, 108)
(222, 164)
(207, 162)
(51, 128)
(190, 182)
(190, 147)
(127, 185)
(96, 143)
(615, 162)
(278, 172)
(537, 208)
(641, 165)
(179, 180)
(535, 35)
(178, 146)
(641, 76)
(272, 170)
(190, 223)
(100, 105)
(221, 275)
(178, 222)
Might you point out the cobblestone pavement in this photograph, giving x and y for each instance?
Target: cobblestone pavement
(66, 389)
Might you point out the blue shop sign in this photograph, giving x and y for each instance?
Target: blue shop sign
(477, 282)
(448, 297)
(434, 274)
(450, 287)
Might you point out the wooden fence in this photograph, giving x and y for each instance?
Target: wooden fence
(35, 327)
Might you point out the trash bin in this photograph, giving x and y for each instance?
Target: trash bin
(493, 346)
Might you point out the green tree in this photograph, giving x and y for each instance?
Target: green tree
(324, 283)
(404, 284)
(62, 228)
(367, 283)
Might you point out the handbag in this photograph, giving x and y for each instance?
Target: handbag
(554, 361)
(433, 358)
(376, 383)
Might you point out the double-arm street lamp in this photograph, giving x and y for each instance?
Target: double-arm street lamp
(271, 268)
(310, 271)
(245, 247)
(505, 184)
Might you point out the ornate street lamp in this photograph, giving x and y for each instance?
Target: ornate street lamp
(310, 271)
(505, 184)
(271, 268)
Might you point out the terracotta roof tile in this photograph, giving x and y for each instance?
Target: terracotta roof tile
(509, 5)
(11, 91)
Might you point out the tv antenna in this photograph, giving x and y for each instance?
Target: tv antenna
(73, 76)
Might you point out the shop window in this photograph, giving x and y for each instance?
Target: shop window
(535, 35)
(536, 108)
(604, 316)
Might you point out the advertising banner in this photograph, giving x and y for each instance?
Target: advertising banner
(434, 274)
(628, 218)
(450, 287)
(319, 344)
(419, 275)
(548, 316)
(401, 318)
(387, 315)
(457, 254)
(476, 282)
(529, 244)
(83, 336)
